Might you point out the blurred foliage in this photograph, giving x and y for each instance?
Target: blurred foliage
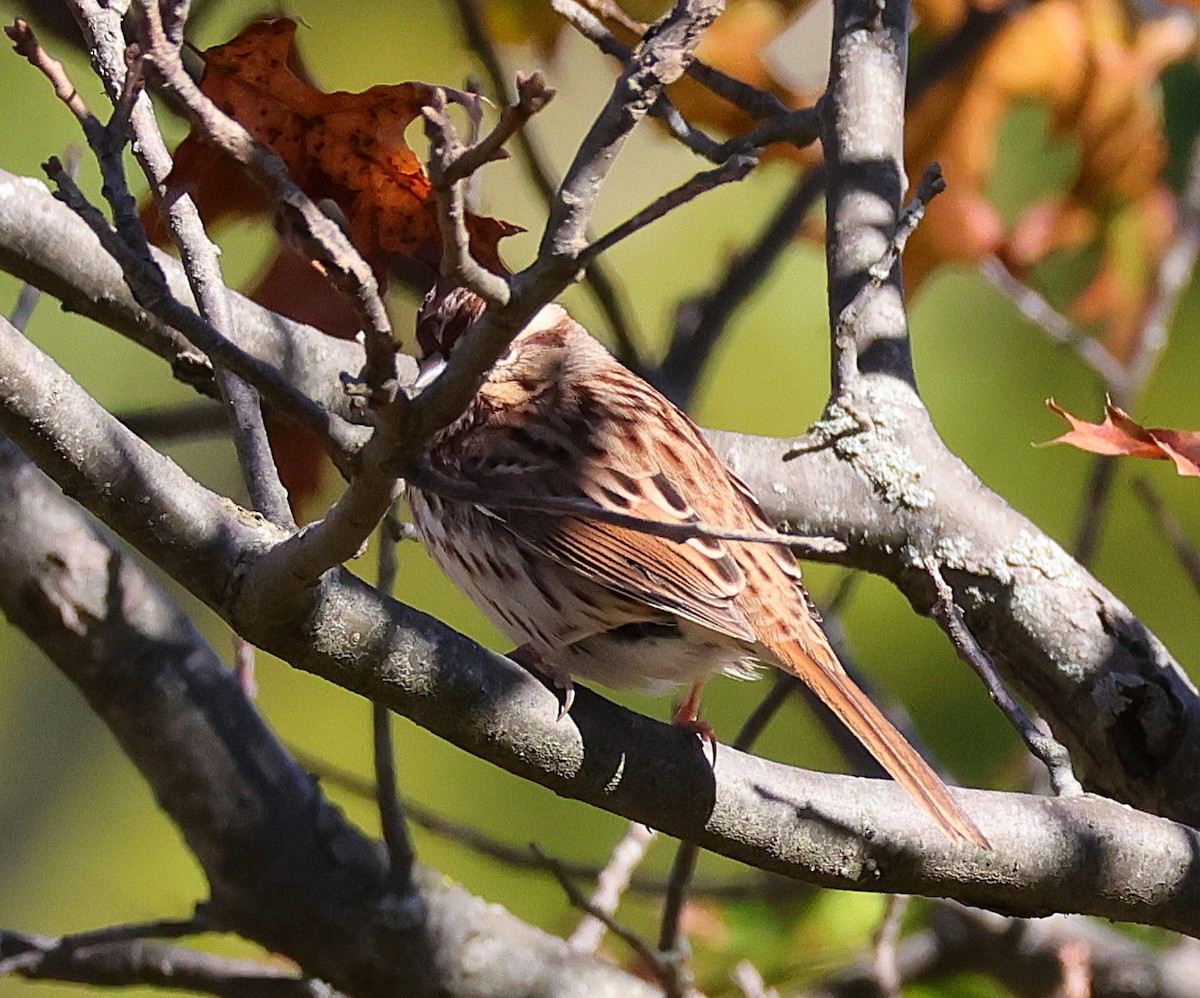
(81, 841)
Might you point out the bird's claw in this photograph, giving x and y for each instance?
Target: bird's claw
(531, 659)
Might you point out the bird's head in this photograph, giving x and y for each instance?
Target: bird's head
(445, 314)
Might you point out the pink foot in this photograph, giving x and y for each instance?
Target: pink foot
(687, 716)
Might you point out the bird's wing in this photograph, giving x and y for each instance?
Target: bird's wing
(630, 452)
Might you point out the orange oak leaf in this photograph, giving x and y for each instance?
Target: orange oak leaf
(343, 148)
(1119, 435)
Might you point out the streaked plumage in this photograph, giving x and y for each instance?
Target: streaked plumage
(559, 417)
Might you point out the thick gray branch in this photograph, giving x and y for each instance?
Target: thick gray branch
(895, 495)
(284, 867)
(45, 244)
(1106, 686)
(1083, 854)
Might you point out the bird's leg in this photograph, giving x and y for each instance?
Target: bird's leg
(687, 716)
(531, 659)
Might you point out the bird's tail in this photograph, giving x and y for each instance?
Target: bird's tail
(819, 669)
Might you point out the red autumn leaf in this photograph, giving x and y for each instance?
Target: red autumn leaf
(340, 147)
(1119, 435)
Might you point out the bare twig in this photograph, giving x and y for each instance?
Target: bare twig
(756, 103)
(255, 458)
(24, 961)
(27, 301)
(401, 854)
(932, 184)
(105, 143)
(700, 322)
(612, 882)
(657, 63)
(596, 277)
(1053, 323)
(532, 96)
(1037, 737)
(887, 972)
(732, 170)
(591, 27)
(446, 155)
(148, 286)
(176, 422)
(800, 128)
(519, 857)
(143, 963)
(1185, 551)
(878, 273)
(1096, 494)
(670, 972)
(684, 865)
(319, 232)
(670, 935)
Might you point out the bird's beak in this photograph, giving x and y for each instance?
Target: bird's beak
(428, 368)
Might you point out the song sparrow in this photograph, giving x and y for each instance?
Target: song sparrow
(558, 416)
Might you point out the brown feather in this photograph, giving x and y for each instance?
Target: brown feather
(559, 417)
(818, 668)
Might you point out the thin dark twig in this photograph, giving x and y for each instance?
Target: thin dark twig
(1168, 526)
(595, 277)
(177, 422)
(27, 302)
(887, 970)
(519, 857)
(159, 929)
(401, 854)
(932, 184)
(669, 971)
(106, 144)
(139, 962)
(684, 866)
(593, 29)
(757, 103)
(1040, 742)
(29, 296)
(611, 883)
(1096, 494)
(149, 288)
(320, 233)
(249, 435)
(1053, 323)
(732, 170)
(670, 936)
(800, 128)
(845, 366)
(700, 322)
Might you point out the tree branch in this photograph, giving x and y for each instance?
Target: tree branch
(284, 867)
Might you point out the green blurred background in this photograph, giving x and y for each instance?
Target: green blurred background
(81, 841)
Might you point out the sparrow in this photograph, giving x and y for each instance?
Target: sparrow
(559, 418)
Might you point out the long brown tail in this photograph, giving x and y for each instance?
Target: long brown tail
(818, 667)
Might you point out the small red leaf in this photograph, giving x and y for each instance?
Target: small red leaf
(1120, 435)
